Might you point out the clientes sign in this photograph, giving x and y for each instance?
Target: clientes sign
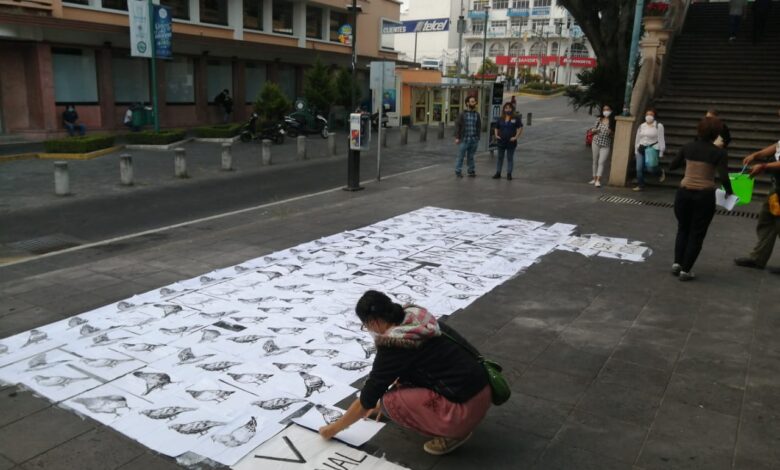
(434, 25)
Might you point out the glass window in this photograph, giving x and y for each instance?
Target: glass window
(213, 11)
(78, 2)
(253, 14)
(496, 49)
(313, 22)
(219, 75)
(476, 49)
(180, 9)
(115, 4)
(542, 3)
(500, 4)
(477, 26)
(75, 76)
(287, 81)
(516, 49)
(520, 4)
(256, 76)
(180, 80)
(498, 24)
(578, 50)
(131, 79)
(539, 25)
(337, 20)
(554, 48)
(480, 4)
(537, 49)
(519, 22)
(283, 17)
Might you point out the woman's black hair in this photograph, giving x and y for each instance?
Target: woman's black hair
(611, 118)
(375, 305)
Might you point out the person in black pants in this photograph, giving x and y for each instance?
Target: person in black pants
(694, 204)
(761, 10)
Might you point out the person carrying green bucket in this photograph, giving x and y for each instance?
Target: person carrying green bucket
(768, 228)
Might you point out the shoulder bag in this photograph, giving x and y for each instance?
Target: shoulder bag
(499, 387)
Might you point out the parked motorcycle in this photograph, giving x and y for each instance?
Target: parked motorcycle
(385, 119)
(296, 124)
(273, 131)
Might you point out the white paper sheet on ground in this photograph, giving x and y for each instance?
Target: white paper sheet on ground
(60, 382)
(356, 435)
(727, 202)
(106, 404)
(231, 442)
(38, 364)
(297, 448)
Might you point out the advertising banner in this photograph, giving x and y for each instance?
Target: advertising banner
(140, 33)
(433, 25)
(163, 31)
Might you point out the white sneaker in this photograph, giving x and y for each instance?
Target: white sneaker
(662, 178)
(598, 184)
(592, 181)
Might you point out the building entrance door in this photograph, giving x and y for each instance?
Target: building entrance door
(455, 104)
(437, 105)
(420, 100)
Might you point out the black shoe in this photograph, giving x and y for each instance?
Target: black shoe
(683, 276)
(497, 176)
(509, 176)
(676, 269)
(472, 175)
(459, 175)
(774, 270)
(747, 263)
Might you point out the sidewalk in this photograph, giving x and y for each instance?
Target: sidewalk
(613, 365)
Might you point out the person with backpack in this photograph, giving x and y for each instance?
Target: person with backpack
(425, 376)
(650, 134)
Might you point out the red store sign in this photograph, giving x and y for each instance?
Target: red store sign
(546, 60)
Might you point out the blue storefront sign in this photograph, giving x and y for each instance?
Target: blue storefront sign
(540, 11)
(163, 31)
(517, 12)
(477, 14)
(433, 25)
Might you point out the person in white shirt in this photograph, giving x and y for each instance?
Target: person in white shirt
(649, 134)
(128, 119)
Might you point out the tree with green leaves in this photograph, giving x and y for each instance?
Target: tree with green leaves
(608, 25)
(489, 67)
(318, 87)
(344, 86)
(271, 103)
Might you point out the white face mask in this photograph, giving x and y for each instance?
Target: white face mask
(649, 118)
(607, 113)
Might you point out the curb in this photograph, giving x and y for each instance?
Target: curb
(79, 156)
(157, 147)
(18, 156)
(230, 140)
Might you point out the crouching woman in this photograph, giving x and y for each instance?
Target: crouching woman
(421, 378)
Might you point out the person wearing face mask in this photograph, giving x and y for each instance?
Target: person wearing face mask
(694, 203)
(649, 134)
(603, 133)
(508, 129)
(725, 134)
(768, 228)
(70, 120)
(467, 129)
(421, 379)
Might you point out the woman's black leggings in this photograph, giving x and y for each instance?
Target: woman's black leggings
(694, 210)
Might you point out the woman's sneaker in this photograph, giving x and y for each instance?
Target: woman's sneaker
(676, 269)
(593, 181)
(598, 184)
(444, 445)
(683, 276)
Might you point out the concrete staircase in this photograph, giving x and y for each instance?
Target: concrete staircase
(739, 79)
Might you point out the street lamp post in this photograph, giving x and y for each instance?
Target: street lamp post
(640, 6)
(353, 158)
(461, 29)
(484, 69)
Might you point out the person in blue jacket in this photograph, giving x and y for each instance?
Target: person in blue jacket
(508, 129)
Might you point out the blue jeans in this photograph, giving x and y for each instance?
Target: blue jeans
(641, 169)
(510, 159)
(72, 128)
(466, 149)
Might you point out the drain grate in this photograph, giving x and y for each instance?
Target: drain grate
(46, 243)
(669, 205)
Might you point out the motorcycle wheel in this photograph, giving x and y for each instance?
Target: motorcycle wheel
(279, 139)
(246, 137)
(292, 132)
(324, 132)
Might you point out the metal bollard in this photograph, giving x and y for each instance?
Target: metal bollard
(61, 179)
(266, 152)
(441, 131)
(332, 144)
(126, 169)
(528, 119)
(423, 132)
(383, 139)
(180, 163)
(404, 134)
(301, 147)
(227, 157)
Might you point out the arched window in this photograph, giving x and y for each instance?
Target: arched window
(578, 50)
(496, 49)
(537, 49)
(476, 49)
(554, 48)
(516, 49)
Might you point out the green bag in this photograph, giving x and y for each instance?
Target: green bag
(499, 387)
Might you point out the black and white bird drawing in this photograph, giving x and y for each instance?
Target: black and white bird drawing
(292, 287)
(289, 267)
(39, 362)
(329, 414)
(57, 380)
(313, 384)
(239, 436)
(287, 331)
(36, 336)
(249, 319)
(277, 404)
(319, 291)
(75, 321)
(368, 347)
(401, 297)
(218, 366)
(88, 329)
(271, 349)
(154, 380)
(186, 356)
(169, 309)
(141, 347)
(195, 427)
(210, 395)
(101, 362)
(107, 404)
(275, 310)
(333, 338)
(298, 300)
(3, 349)
(257, 300)
(353, 365)
(294, 366)
(180, 331)
(209, 336)
(257, 379)
(318, 320)
(248, 339)
(329, 353)
(105, 340)
(168, 412)
(216, 315)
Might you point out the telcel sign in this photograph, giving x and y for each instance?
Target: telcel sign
(417, 26)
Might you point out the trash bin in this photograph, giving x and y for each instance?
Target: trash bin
(138, 118)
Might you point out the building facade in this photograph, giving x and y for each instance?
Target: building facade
(59, 52)
(538, 36)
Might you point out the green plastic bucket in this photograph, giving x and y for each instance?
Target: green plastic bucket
(742, 185)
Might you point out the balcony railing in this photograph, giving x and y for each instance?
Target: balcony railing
(527, 31)
(30, 6)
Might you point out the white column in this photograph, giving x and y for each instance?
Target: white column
(236, 17)
(325, 24)
(268, 18)
(299, 22)
(195, 11)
